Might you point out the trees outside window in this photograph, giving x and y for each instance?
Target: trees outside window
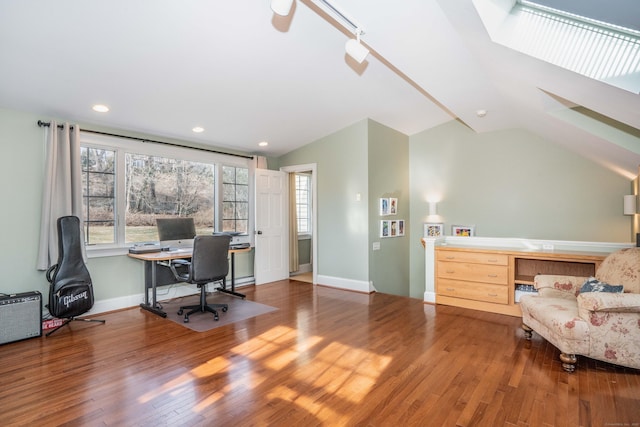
(127, 185)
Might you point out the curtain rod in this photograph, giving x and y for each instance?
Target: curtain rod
(47, 124)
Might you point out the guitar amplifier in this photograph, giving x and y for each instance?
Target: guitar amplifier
(20, 316)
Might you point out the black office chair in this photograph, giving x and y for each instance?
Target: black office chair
(209, 264)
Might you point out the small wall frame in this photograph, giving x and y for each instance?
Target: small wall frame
(392, 228)
(433, 229)
(388, 206)
(463, 230)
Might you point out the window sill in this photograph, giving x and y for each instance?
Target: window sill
(106, 251)
(304, 236)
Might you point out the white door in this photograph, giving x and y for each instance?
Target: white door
(272, 243)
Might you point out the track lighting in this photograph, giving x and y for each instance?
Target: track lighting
(355, 49)
(281, 7)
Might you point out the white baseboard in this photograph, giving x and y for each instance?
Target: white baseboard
(348, 284)
(430, 297)
(303, 268)
(162, 293)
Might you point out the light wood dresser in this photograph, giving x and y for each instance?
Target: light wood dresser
(486, 279)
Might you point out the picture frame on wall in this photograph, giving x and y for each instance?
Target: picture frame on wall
(433, 229)
(384, 206)
(392, 227)
(463, 230)
(384, 228)
(393, 206)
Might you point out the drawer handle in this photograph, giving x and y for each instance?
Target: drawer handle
(450, 257)
(451, 289)
(493, 295)
(492, 260)
(450, 271)
(492, 275)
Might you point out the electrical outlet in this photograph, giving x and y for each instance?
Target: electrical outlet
(547, 247)
(376, 246)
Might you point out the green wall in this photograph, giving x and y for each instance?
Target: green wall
(341, 173)
(372, 160)
(388, 177)
(22, 151)
(304, 251)
(22, 154)
(511, 183)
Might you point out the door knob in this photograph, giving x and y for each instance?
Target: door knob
(259, 232)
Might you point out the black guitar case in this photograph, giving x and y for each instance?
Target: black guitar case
(70, 290)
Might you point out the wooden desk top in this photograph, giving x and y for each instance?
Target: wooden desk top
(175, 254)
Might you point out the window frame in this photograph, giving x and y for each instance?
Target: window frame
(121, 146)
(306, 234)
(219, 212)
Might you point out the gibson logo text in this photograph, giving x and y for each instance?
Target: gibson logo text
(68, 299)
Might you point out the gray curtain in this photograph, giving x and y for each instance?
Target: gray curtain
(62, 188)
(260, 162)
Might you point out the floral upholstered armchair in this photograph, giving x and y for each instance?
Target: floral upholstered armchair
(601, 323)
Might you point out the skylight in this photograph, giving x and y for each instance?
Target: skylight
(624, 14)
(604, 51)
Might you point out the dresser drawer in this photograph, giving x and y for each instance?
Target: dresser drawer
(473, 257)
(474, 291)
(495, 274)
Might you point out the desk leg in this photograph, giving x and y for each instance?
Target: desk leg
(153, 307)
(233, 279)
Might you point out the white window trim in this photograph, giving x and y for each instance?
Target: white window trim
(124, 145)
(307, 234)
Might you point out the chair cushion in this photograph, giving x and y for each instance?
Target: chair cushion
(558, 286)
(557, 320)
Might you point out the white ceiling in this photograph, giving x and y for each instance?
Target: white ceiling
(247, 75)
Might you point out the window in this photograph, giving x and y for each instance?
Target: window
(235, 199)
(303, 203)
(98, 194)
(127, 185)
(573, 35)
(164, 187)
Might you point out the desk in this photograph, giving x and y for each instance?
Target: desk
(151, 260)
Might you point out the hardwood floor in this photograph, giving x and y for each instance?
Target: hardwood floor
(326, 357)
(303, 277)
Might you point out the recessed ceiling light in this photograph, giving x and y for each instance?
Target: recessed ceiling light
(100, 108)
(263, 144)
(481, 113)
(198, 129)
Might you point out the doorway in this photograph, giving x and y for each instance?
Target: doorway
(306, 179)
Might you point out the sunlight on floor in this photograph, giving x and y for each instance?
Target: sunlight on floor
(346, 372)
(213, 366)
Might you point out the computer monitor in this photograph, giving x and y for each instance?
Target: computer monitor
(176, 232)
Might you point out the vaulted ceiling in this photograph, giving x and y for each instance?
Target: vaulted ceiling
(246, 75)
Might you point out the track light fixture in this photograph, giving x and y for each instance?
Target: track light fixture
(281, 7)
(355, 49)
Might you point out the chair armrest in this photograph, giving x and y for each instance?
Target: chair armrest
(608, 301)
(177, 263)
(558, 286)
